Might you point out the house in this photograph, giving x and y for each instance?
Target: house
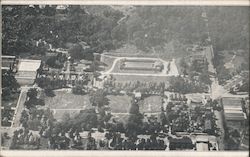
(27, 71)
(202, 142)
(137, 95)
(202, 147)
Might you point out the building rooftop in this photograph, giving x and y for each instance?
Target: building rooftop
(235, 116)
(202, 138)
(233, 108)
(29, 65)
(231, 101)
(7, 62)
(202, 146)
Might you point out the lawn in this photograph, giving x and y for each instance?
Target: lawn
(66, 102)
(134, 78)
(119, 104)
(150, 104)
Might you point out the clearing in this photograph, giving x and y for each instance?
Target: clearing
(67, 102)
(119, 104)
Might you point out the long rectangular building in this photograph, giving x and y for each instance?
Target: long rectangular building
(233, 109)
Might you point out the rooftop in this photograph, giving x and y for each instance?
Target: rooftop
(202, 147)
(29, 65)
(230, 101)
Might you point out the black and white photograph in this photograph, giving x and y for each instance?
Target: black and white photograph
(125, 78)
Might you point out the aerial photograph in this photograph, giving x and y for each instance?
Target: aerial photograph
(125, 77)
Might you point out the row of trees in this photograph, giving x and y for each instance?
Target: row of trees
(9, 84)
(183, 86)
(32, 99)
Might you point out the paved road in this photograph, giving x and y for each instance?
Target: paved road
(216, 90)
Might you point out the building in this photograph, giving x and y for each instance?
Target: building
(27, 71)
(233, 109)
(61, 7)
(202, 147)
(8, 62)
(202, 142)
(138, 95)
(141, 64)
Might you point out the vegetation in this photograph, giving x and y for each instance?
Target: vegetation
(134, 125)
(153, 26)
(32, 99)
(181, 85)
(56, 61)
(9, 84)
(229, 38)
(24, 25)
(98, 98)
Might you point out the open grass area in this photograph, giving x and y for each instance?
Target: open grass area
(150, 104)
(134, 78)
(66, 102)
(119, 104)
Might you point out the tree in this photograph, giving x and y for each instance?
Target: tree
(164, 119)
(49, 91)
(134, 124)
(32, 93)
(98, 98)
(204, 77)
(9, 81)
(78, 89)
(54, 62)
(76, 52)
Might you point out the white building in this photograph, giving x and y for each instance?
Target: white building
(27, 70)
(233, 109)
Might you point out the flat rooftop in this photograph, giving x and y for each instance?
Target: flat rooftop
(29, 65)
(202, 147)
(230, 101)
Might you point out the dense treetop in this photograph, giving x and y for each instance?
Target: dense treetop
(147, 27)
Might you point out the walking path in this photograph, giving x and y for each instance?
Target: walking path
(19, 108)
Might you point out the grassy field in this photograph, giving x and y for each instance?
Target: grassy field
(150, 104)
(134, 78)
(119, 104)
(65, 102)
